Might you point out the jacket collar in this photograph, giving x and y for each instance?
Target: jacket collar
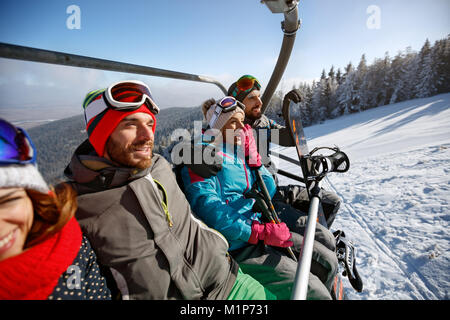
(88, 169)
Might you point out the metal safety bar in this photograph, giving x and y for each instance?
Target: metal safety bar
(11, 51)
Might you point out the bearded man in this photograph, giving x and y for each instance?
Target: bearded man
(134, 214)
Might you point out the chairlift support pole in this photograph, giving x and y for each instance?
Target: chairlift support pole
(300, 289)
(290, 25)
(11, 51)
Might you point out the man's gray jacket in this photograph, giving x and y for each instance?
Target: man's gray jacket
(141, 227)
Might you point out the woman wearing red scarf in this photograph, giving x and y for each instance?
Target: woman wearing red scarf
(43, 254)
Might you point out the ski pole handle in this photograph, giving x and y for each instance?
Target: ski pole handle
(269, 203)
(266, 195)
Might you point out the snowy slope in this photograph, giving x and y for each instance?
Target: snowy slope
(395, 195)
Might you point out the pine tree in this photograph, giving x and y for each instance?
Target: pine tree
(442, 72)
(395, 77)
(345, 91)
(305, 92)
(316, 101)
(321, 101)
(308, 101)
(329, 95)
(331, 74)
(339, 77)
(375, 88)
(275, 105)
(444, 68)
(365, 89)
(410, 75)
(387, 79)
(348, 69)
(358, 93)
(425, 86)
(404, 76)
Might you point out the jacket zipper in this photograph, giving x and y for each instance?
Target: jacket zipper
(164, 203)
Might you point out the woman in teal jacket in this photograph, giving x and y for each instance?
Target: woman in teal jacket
(225, 193)
(221, 201)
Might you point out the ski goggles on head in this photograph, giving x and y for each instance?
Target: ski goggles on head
(244, 86)
(16, 146)
(129, 95)
(247, 82)
(225, 105)
(120, 96)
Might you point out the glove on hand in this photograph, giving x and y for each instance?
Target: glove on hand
(207, 104)
(276, 235)
(294, 95)
(248, 143)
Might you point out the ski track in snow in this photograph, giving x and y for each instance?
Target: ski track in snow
(395, 205)
(405, 235)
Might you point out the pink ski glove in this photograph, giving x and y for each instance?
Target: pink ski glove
(248, 143)
(257, 232)
(276, 235)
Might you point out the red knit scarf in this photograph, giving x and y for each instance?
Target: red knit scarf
(33, 274)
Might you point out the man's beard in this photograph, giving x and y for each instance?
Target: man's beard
(124, 155)
(252, 117)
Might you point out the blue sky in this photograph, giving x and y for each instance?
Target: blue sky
(222, 39)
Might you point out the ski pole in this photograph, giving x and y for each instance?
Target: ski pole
(269, 203)
(300, 288)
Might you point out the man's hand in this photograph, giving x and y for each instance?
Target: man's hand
(294, 95)
(207, 104)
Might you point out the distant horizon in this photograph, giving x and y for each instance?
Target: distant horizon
(30, 120)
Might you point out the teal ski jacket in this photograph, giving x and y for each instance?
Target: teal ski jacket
(220, 199)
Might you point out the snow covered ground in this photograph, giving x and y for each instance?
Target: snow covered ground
(395, 195)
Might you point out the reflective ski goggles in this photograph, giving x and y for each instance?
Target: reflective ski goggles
(120, 96)
(129, 95)
(225, 105)
(247, 82)
(16, 146)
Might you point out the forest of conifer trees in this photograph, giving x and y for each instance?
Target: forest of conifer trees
(387, 80)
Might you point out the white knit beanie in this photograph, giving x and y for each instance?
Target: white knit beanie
(24, 176)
